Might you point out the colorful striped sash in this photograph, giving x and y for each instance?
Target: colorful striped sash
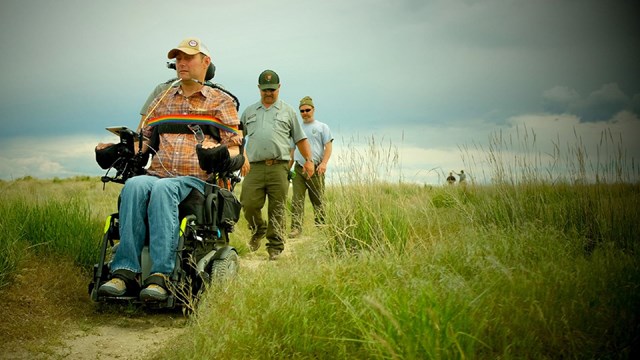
(192, 119)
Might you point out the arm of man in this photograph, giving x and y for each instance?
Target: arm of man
(246, 167)
(305, 150)
(234, 150)
(322, 167)
(291, 157)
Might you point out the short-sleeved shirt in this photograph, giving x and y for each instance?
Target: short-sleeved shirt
(176, 153)
(270, 131)
(318, 135)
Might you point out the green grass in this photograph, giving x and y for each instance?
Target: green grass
(11, 249)
(523, 267)
(56, 218)
(456, 286)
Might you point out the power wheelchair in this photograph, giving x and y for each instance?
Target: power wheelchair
(203, 254)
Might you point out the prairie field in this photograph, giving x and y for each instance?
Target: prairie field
(506, 269)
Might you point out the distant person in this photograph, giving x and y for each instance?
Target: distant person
(321, 140)
(451, 179)
(148, 203)
(462, 177)
(271, 124)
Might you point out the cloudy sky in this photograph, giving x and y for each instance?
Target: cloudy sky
(437, 82)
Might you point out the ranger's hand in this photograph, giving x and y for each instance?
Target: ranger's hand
(246, 167)
(309, 169)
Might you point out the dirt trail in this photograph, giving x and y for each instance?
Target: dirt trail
(127, 340)
(109, 331)
(121, 338)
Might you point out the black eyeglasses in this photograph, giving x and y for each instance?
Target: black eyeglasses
(305, 110)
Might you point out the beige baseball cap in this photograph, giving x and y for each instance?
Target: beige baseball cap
(190, 46)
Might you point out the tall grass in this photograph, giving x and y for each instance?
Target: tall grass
(522, 268)
(525, 265)
(500, 293)
(59, 218)
(592, 214)
(59, 228)
(594, 199)
(11, 249)
(516, 159)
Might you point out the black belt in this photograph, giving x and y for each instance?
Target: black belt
(315, 165)
(269, 162)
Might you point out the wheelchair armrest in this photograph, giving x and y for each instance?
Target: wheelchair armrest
(214, 160)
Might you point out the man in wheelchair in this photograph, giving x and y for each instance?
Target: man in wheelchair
(190, 130)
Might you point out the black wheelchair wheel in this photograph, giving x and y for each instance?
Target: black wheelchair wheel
(224, 269)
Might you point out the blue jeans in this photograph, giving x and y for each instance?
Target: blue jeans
(150, 204)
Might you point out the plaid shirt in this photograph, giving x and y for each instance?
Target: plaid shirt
(176, 153)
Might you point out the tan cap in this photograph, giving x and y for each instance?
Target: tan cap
(190, 46)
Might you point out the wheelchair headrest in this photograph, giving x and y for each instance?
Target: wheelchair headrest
(211, 72)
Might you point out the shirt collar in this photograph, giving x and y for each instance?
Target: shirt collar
(205, 90)
(277, 105)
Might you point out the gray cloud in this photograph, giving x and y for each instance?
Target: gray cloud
(635, 104)
(76, 67)
(600, 105)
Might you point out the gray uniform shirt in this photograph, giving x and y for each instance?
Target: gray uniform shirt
(270, 131)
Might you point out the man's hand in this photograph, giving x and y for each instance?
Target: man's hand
(246, 167)
(308, 169)
(322, 168)
(209, 145)
(102, 146)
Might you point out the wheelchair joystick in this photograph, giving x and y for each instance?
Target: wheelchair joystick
(123, 156)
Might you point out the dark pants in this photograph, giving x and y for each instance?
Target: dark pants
(262, 182)
(315, 186)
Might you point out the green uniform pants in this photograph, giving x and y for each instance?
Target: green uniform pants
(315, 186)
(262, 182)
